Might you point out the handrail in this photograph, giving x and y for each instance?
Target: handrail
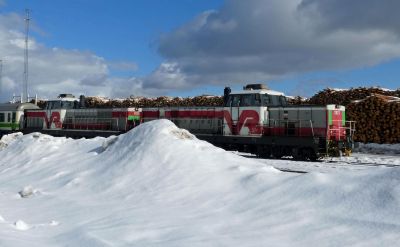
(348, 127)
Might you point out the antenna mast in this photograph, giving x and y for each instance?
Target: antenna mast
(25, 87)
(1, 75)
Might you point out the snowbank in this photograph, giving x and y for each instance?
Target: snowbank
(6, 139)
(158, 185)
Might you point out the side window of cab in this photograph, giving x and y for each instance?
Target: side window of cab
(55, 104)
(246, 100)
(266, 100)
(235, 100)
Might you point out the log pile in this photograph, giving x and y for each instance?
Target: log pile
(138, 102)
(345, 97)
(378, 119)
(298, 100)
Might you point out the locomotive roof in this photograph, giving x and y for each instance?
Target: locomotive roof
(260, 91)
(17, 106)
(64, 99)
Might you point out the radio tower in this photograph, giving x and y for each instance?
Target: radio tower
(1, 75)
(25, 88)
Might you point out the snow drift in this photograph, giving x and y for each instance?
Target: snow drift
(158, 185)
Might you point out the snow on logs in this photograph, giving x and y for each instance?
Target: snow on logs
(345, 97)
(155, 102)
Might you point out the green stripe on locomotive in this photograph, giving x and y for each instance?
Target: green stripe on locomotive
(344, 118)
(330, 117)
(133, 118)
(9, 126)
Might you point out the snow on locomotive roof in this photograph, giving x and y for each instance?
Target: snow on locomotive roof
(260, 91)
(65, 99)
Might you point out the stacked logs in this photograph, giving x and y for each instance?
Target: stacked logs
(298, 100)
(378, 119)
(138, 102)
(345, 97)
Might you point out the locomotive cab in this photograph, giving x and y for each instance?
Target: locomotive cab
(260, 98)
(248, 109)
(64, 101)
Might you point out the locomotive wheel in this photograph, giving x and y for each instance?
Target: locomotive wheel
(298, 154)
(277, 152)
(309, 154)
(263, 152)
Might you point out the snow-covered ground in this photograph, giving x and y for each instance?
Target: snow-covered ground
(357, 161)
(158, 185)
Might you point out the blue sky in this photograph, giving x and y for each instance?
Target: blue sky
(120, 31)
(191, 47)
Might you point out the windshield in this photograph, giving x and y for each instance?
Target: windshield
(58, 104)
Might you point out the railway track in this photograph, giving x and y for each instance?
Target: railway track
(357, 162)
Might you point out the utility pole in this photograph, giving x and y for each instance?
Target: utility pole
(1, 75)
(25, 86)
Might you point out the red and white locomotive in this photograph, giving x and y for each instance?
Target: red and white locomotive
(66, 116)
(256, 120)
(260, 121)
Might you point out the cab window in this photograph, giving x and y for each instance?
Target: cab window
(235, 100)
(56, 104)
(266, 100)
(273, 100)
(2, 117)
(67, 104)
(250, 100)
(246, 100)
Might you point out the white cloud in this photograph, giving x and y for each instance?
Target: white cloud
(259, 40)
(55, 70)
(20, 43)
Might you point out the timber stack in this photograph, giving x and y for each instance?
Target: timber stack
(345, 97)
(139, 102)
(378, 119)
